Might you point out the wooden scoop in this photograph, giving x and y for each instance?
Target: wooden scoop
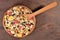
(42, 10)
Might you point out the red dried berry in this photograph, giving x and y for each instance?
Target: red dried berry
(9, 12)
(9, 31)
(28, 25)
(15, 21)
(19, 27)
(31, 18)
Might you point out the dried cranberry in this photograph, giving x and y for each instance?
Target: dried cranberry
(15, 21)
(13, 14)
(31, 18)
(28, 25)
(9, 31)
(9, 12)
(6, 27)
(19, 27)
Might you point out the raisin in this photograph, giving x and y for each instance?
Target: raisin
(6, 19)
(23, 33)
(20, 18)
(22, 12)
(18, 22)
(24, 22)
(24, 25)
(12, 23)
(17, 32)
(22, 8)
(23, 28)
(28, 29)
(31, 23)
(13, 34)
(12, 10)
(27, 13)
(14, 27)
(18, 26)
(7, 22)
(6, 27)
(28, 21)
(13, 14)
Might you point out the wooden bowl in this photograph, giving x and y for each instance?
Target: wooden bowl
(33, 20)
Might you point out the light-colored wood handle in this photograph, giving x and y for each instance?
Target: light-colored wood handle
(45, 8)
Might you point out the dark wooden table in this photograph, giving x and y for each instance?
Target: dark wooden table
(47, 25)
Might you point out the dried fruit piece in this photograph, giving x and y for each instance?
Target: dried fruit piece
(9, 31)
(28, 29)
(10, 18)
(7, 27)
(15, 21)
(9, 12)
(20, 34)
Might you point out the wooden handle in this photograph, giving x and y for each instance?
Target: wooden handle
(45, 8)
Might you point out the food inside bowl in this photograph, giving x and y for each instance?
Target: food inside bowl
(16, 24)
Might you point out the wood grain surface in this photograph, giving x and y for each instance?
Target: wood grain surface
(47, 25)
